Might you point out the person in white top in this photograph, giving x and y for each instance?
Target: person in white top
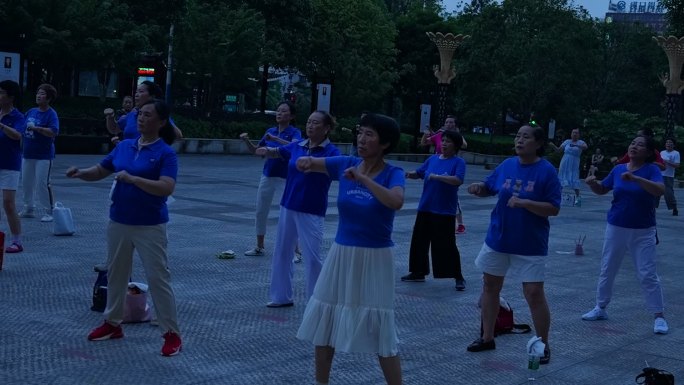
(671, 159)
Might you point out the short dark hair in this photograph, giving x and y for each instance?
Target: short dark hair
(539, 136)
(163, 110)
(646, 131)
(328, 119)
(386, 127)
(12, 88)
(650, 147)
(153, 89)
(50, 90)
(674, 141)
(455, 137)
(293, 109)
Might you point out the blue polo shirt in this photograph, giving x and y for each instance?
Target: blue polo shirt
(632, 206)
(518, 230)
(439, 197)
(364, 221)
(277, 167)
(306, 192)
(39, 146)
(130, 204)
(10, 149)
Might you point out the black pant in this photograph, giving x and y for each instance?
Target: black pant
(437, 231)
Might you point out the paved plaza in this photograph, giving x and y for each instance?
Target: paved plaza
(230, 337)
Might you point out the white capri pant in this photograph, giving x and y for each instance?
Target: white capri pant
(309, 229)
(35, 181)
(641, 246)
(267, 189)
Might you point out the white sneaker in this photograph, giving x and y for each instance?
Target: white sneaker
(255, 252)
(660, 326)
(27, 214)
(298, 257)
(46, 218)
(596, 314)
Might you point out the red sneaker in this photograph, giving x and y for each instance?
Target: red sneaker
(460, 229)
(172, 344)
(106, 332)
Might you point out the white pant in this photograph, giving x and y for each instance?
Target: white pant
(265, 193)
(641, 246)
(150, 241)
(309, 229)
(35, 182)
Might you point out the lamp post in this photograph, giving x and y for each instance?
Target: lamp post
(674, 49)
(446, 44)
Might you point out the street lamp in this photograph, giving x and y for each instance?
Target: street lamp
(446, 44)
(674, 49)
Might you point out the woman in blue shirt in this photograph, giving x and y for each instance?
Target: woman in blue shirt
(631, 227)
(528, 192)
(275, 170)
(12, 127)
(145, 175)
(436, 217)
(352, 307)
(42, 126)
(302, 209)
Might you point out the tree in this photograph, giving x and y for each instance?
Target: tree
(675, 16)
(218, 46)
(286, 23)
(105, 38)
(354, 40)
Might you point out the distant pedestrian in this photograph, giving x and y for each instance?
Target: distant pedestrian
(596, 160)
(145, 175)
(275, 169)
(302, 209)
(38, 152)
(352, 308)
(433, 230)
(631, 228)
(430, 138)
(12, 127)
(529, 192)
(671, 159)
(568, 172)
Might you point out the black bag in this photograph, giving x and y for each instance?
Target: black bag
(100, 290)
(653, 376)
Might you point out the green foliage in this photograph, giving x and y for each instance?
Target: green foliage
(613, 131)
(352, 41)
(486, 144)
(675, 16)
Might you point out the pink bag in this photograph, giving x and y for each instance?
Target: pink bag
(136, 307)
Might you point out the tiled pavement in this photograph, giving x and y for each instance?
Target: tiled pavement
(230, 337)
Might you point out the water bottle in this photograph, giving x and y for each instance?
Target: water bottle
(532, 366)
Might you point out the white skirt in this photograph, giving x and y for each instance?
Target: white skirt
(352, 307)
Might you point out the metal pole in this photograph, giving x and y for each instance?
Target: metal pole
(169, 66)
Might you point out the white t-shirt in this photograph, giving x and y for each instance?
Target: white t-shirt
(669, 157)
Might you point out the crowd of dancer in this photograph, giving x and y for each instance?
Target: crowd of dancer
(350, 293)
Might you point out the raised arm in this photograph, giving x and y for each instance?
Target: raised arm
(250, 146)
(479, 189)
(448, 179)
(595, 185)
(390, 197)
(310, 164)
(89, 174)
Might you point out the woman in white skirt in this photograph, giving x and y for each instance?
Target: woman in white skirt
(352, 307)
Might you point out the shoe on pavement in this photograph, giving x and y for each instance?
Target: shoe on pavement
(172, 344)
(479, 345)
(14, 248)
(413, 277)
(46, 218)
(255, 252)
(298, 257)
(460, 284)
(106, 331)
(675, 213)
(227, 254)
(660, 326)
(596, 314)
(460, 229)
(27, 214)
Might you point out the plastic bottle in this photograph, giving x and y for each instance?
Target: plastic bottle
(532, 366)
